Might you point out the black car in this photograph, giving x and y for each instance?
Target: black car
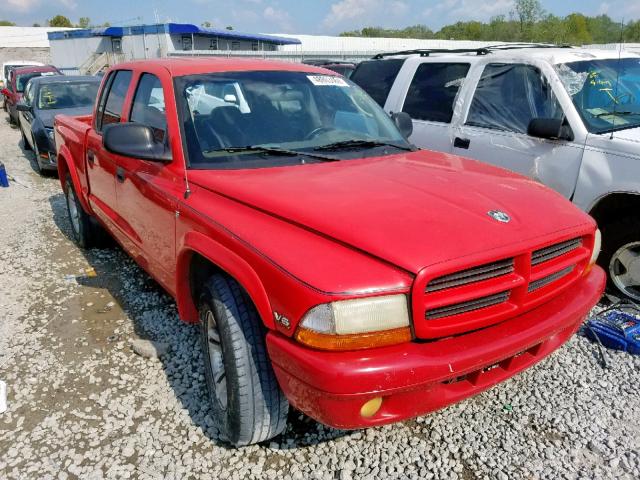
(343, 68)
(46, 97)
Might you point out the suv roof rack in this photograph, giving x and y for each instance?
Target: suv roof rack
(425, 52)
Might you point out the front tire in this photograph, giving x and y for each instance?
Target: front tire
(247, 403)
(620, 257)
(81, 226)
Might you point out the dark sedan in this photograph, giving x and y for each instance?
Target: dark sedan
(46, 97)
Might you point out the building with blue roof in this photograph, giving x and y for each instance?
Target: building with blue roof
(90, 50)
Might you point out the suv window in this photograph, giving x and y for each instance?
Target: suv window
(110, 107)
(148, 105)
(376, 77)
(508, 97)
(433, 90)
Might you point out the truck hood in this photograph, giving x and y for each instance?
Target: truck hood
(411, 210)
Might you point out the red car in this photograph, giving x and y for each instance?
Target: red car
(331, 265)
(17, 82)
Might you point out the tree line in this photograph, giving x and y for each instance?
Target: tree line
(528, 22)
(59, 21)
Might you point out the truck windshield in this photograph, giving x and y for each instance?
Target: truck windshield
(606, 92)
(294, 116)
(67, 95)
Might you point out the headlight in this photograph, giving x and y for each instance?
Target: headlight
(356, 324)
(597, 244)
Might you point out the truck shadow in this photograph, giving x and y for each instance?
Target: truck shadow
(154, 316)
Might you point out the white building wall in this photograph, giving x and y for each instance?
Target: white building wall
(71, 53)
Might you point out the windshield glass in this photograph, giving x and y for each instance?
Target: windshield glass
(296, 111)
(606, 93)
(67, 95)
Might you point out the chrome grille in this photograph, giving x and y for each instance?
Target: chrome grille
(549, 253)
(469, 306)
(533, 286)
(471, 275)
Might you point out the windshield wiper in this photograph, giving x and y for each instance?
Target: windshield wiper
(623, 113)
(276, 151)
(346, 144)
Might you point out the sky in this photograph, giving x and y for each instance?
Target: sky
(317, 17)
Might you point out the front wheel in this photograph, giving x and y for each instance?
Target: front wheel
(247, 403)
(620, 258)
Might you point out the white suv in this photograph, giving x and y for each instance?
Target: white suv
(567, 117)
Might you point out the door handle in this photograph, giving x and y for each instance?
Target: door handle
(461, 142)
(120, 174)
(91, 157)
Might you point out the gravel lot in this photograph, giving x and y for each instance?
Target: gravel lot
(82, 404)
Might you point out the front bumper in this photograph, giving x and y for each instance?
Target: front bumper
(417, 378)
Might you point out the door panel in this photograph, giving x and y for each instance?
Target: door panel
(507, 97)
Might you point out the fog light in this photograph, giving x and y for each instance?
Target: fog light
(370, 408)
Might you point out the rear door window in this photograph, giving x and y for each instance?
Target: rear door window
(433, 91)
(376, 77)
(110, 107)
(148, 106)
(509, 96)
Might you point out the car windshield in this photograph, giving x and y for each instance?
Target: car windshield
(285, 117)
(67, 95)
(606, 93)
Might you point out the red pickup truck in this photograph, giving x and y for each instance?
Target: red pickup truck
(331, 265)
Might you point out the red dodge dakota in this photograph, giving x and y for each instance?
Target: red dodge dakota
(331, 265)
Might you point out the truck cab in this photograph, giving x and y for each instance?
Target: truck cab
(330, 265)
(566, 117)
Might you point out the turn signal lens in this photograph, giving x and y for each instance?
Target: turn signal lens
(360, 341)
(597, 244)
(356, 324)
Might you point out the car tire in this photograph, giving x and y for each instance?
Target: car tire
(247, 403)
(82, 227)
(25, 144)
(620, 239)
(36, 155)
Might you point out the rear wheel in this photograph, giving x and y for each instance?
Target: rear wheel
(82, 228)
(620, 257)
(247, 403)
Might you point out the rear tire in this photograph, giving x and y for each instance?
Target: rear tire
(247, 402)
(82, 227)
(620, 257)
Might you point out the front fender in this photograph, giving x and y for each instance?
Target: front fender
(226, 260)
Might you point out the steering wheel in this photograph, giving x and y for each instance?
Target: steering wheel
(317, 131)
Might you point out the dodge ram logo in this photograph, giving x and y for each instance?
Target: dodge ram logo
(500, 216)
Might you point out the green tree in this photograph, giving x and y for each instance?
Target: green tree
(36, 25)
(207, 24)
(60, 21)
(84, 22)
(577, 30)
(6, 23)
(528, 12)
(229, 27)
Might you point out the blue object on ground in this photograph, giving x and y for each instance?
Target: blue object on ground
(617, 330)
(4, 181)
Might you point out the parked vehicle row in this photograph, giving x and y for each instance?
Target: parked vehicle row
(331, 265)
(566, 117)
(34, 95)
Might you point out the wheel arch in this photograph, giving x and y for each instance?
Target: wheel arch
(63, 169)
(615, 206)
(202, 256)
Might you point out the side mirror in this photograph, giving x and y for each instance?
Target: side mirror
(23, 107)
(403, 122)
(5, 92)
(550, 128)
(134, 140)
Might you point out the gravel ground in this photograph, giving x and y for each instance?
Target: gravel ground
(82, 404)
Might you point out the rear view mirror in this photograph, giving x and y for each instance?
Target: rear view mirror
(550, 128)
(136, 141)
(403, 122)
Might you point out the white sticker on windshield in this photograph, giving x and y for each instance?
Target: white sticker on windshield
(48, 74)
(327, 80)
